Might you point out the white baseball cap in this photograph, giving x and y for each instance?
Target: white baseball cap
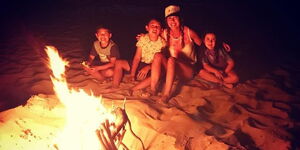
(172, 10)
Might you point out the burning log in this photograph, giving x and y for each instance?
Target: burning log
(109, 138)
(110, 134)
(112, 139)
(105, 137)
(121, 120)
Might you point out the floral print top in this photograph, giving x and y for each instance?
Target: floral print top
(149, 48)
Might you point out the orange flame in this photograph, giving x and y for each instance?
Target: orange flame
(84, 112)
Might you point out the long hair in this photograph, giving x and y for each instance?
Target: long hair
(218, 45)
(181, 28)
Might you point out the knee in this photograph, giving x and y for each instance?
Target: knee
(109, 73)
(171, 60)
(201, 72)
(157, 57)
(235, 78)
(117, 63)
(189, 76)
(120, 63)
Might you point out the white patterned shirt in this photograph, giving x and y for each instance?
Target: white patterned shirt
(149, 48)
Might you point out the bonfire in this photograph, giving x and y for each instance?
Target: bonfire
(89, 125)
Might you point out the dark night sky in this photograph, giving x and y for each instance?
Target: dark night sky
(264, 32)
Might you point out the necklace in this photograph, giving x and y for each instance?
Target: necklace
(175, 36)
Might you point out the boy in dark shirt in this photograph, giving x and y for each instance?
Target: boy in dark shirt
(108, 53)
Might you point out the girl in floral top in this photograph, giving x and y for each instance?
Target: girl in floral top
(147, 46)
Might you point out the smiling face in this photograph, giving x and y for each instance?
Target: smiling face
(103, 35)
(210, 41)
(153, 28)
(173, 22)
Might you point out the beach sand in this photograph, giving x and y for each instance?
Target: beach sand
(259, 113)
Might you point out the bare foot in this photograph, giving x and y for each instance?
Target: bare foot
(85, 73)
(228, 85)
(164, 99)
(138, 93)
(153, 93)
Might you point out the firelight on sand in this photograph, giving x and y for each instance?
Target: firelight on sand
(84, 112)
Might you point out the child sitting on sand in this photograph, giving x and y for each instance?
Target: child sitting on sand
(108, 52)
(217, 64)
(146, 47)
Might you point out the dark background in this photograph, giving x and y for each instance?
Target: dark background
(262, 35)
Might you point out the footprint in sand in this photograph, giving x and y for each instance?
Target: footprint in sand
(206, 109)
(216, 130)
(256, 124)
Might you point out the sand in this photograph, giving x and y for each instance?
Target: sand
(258, 113)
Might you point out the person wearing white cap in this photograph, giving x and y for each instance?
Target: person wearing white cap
(180, 41)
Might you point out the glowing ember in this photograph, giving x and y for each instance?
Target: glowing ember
(85, 112)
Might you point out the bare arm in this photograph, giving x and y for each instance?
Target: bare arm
(142, 74)
(229, 67)
(162, 34)
(136, 61)
(212, 70)
(139, 36)
(90, 60)
(209, 68)
(195, 37)
(226, 47)
(111, 63)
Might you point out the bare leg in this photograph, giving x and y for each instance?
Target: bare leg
(231, 77)
(170, 75)
(107, 73)
(96, 74)
(143, 84)
(209, 76)
(183, 69)
(120, 65)
(158, 60)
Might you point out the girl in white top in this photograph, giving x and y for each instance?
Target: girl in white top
(180, 42)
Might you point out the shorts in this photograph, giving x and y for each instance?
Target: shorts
(140, 66)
